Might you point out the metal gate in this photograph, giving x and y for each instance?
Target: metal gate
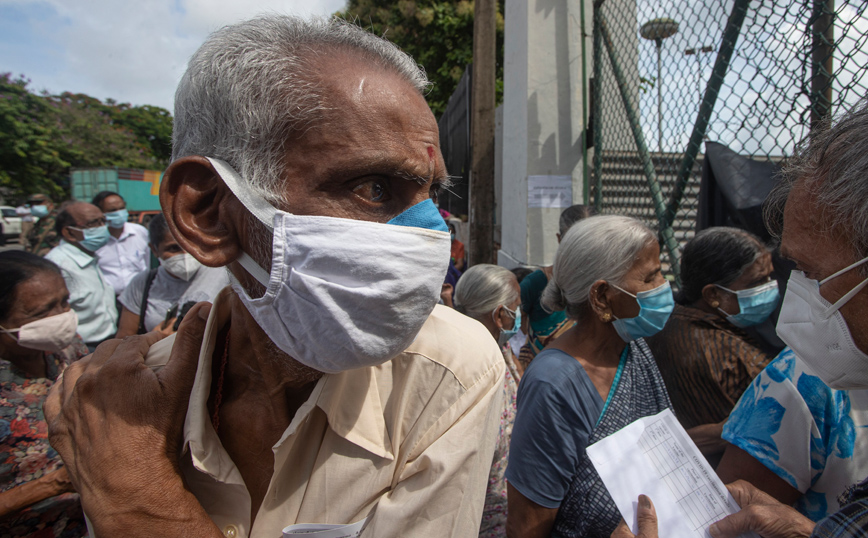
(670, 74)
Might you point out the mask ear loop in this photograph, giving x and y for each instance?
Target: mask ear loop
(258, 206)
(847, 296)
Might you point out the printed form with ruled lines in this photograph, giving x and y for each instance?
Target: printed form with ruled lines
(655, 456)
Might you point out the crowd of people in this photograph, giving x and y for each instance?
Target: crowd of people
(270, 352)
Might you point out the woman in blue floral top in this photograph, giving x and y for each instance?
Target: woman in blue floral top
(37, 342)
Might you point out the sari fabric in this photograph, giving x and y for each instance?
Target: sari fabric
(638, 391)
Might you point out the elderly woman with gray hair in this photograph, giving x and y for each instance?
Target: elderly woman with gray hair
(592, 381)
(490, 294)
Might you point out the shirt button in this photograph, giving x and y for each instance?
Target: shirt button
(230, 531)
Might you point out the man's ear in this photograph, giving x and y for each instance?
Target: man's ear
(201, 211)
(67, 234)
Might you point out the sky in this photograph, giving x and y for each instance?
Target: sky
(131, 51)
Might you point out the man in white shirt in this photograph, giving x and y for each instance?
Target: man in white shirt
(82, 229)
(327, 387)
(126, 254)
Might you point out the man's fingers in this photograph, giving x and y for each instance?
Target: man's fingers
(734, 525)
(178, 374)
(647, 518)
(746, 493)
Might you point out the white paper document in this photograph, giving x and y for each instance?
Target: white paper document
(318, 530)
(549, 191)
(655, 456)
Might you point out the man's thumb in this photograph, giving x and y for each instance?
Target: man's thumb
(646, 517)
(178, 374)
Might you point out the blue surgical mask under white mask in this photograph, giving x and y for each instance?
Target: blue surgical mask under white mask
(340, 293)
(655, 306)
(94, 238)
(755, 304)
(117, 219)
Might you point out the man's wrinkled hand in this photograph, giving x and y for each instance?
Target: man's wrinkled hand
(646, 517)
(118, 424)
(761, 513)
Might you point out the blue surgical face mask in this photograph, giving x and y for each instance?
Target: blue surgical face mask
(39, 211)
(654, 309)
(117, 219)
(94, 238)
(422, 215)
(506, 334)
(755, 304)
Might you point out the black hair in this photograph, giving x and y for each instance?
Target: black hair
(101, 196)
(157, 230)
(521, 272)
(572, 215)
(17, 266)
(718, 255)
(64, 219)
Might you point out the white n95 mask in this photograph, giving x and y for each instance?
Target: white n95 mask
(51, 334)
(819, 334)
(342, 293)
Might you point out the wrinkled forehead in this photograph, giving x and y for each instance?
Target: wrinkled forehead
(807, 238)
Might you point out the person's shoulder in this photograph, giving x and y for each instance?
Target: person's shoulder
(552, 366)
(136, 229)
(59, 255)
(459, 344)
(535, 279)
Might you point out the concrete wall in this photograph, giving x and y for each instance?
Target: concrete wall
(543, 125)
(542, 119)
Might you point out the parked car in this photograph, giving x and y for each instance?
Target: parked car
(10, 224)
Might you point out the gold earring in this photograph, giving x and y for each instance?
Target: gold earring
(606, 317)
(715, 304)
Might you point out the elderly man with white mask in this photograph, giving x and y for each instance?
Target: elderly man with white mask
(323, 386)
(822, 204)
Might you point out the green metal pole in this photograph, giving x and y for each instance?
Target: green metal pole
(647, 165)
(721, 65)
(597, 113)
(586, 187)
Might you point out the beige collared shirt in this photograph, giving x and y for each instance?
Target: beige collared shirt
(407, 444)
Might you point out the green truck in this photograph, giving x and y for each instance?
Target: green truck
(139, 188)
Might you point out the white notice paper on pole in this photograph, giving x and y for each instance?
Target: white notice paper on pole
(655, 456)
(549, 191)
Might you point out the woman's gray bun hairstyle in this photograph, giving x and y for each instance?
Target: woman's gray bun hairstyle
(596, 248)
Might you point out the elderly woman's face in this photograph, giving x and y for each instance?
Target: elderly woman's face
(645, 275)
(41, 296)
(757, 274)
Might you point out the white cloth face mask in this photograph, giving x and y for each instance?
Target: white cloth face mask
(343, 294)
(183, 266)
(51, 334)
(818, 333)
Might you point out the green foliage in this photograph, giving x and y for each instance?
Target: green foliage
(43, 136)
(437, 34)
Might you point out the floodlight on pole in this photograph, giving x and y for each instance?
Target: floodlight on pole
(657, 30)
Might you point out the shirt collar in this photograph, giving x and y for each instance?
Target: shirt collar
(350, 400)
(76, 254)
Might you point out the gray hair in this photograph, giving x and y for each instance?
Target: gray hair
(484, 287)
(254, 85)
(572, 215)
(718, 255)
(596, 248)
(832, 163)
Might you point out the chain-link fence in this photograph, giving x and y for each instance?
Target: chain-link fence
(671, 74)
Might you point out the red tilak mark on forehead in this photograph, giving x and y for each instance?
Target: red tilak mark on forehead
(431, 152)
